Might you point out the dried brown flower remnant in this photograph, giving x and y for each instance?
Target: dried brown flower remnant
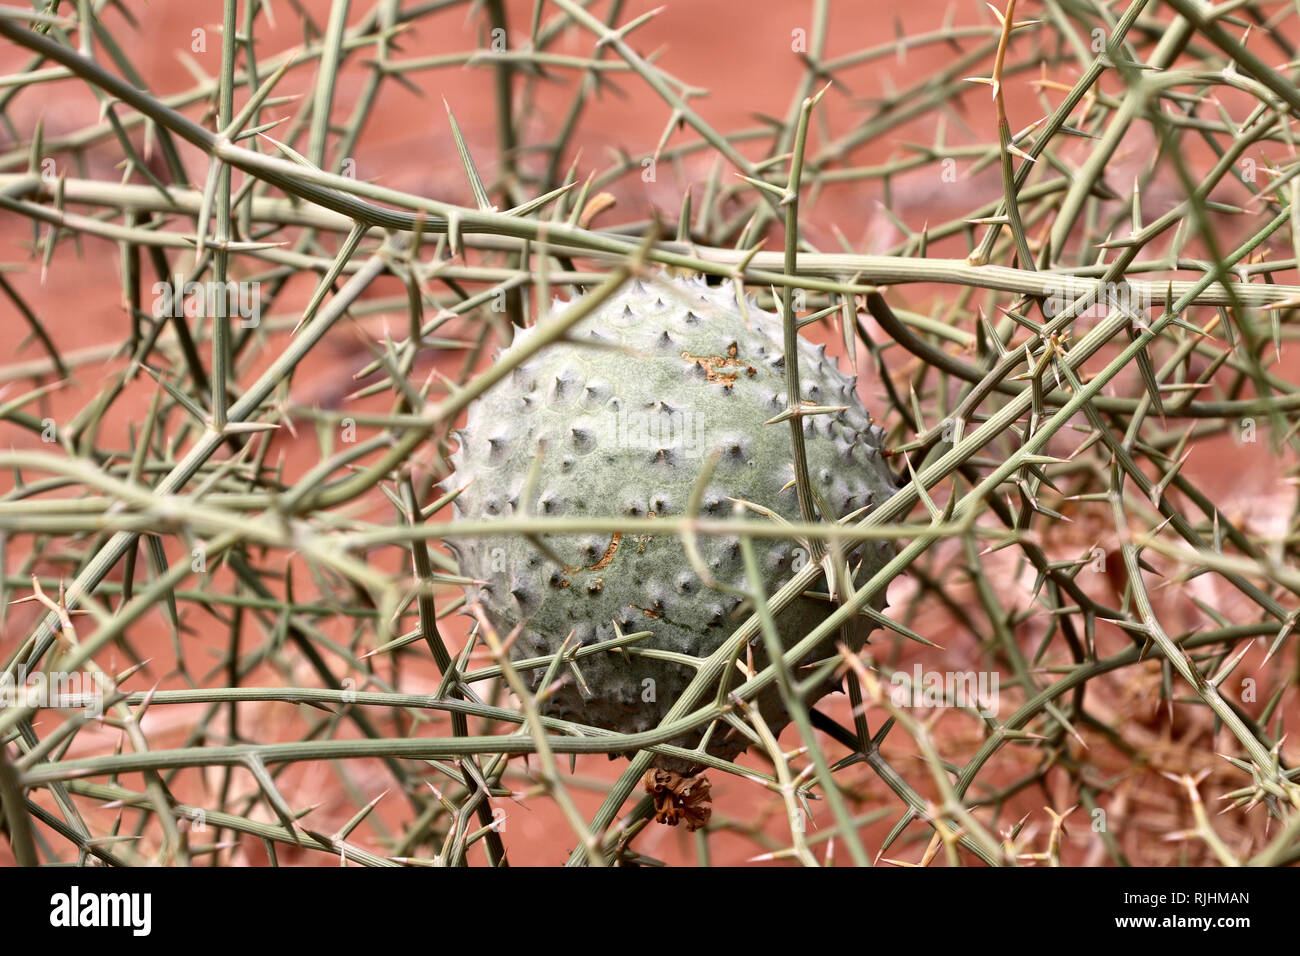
(679, 798)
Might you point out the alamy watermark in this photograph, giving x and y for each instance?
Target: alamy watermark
(1098, 300)
(973, 689)
(242, 300)
(676, 431)
(87, 908)
(63, 689)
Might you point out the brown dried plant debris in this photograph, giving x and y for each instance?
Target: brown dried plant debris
(714, 364)
(679, 798)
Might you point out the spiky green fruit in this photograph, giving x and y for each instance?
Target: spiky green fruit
(626, 432)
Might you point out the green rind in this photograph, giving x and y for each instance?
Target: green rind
(626, 431)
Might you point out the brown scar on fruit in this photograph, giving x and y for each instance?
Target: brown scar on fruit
(643, 539)
(713, 363)
(644, 610)
(600, 565)
(608, 556)
(678, 798)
